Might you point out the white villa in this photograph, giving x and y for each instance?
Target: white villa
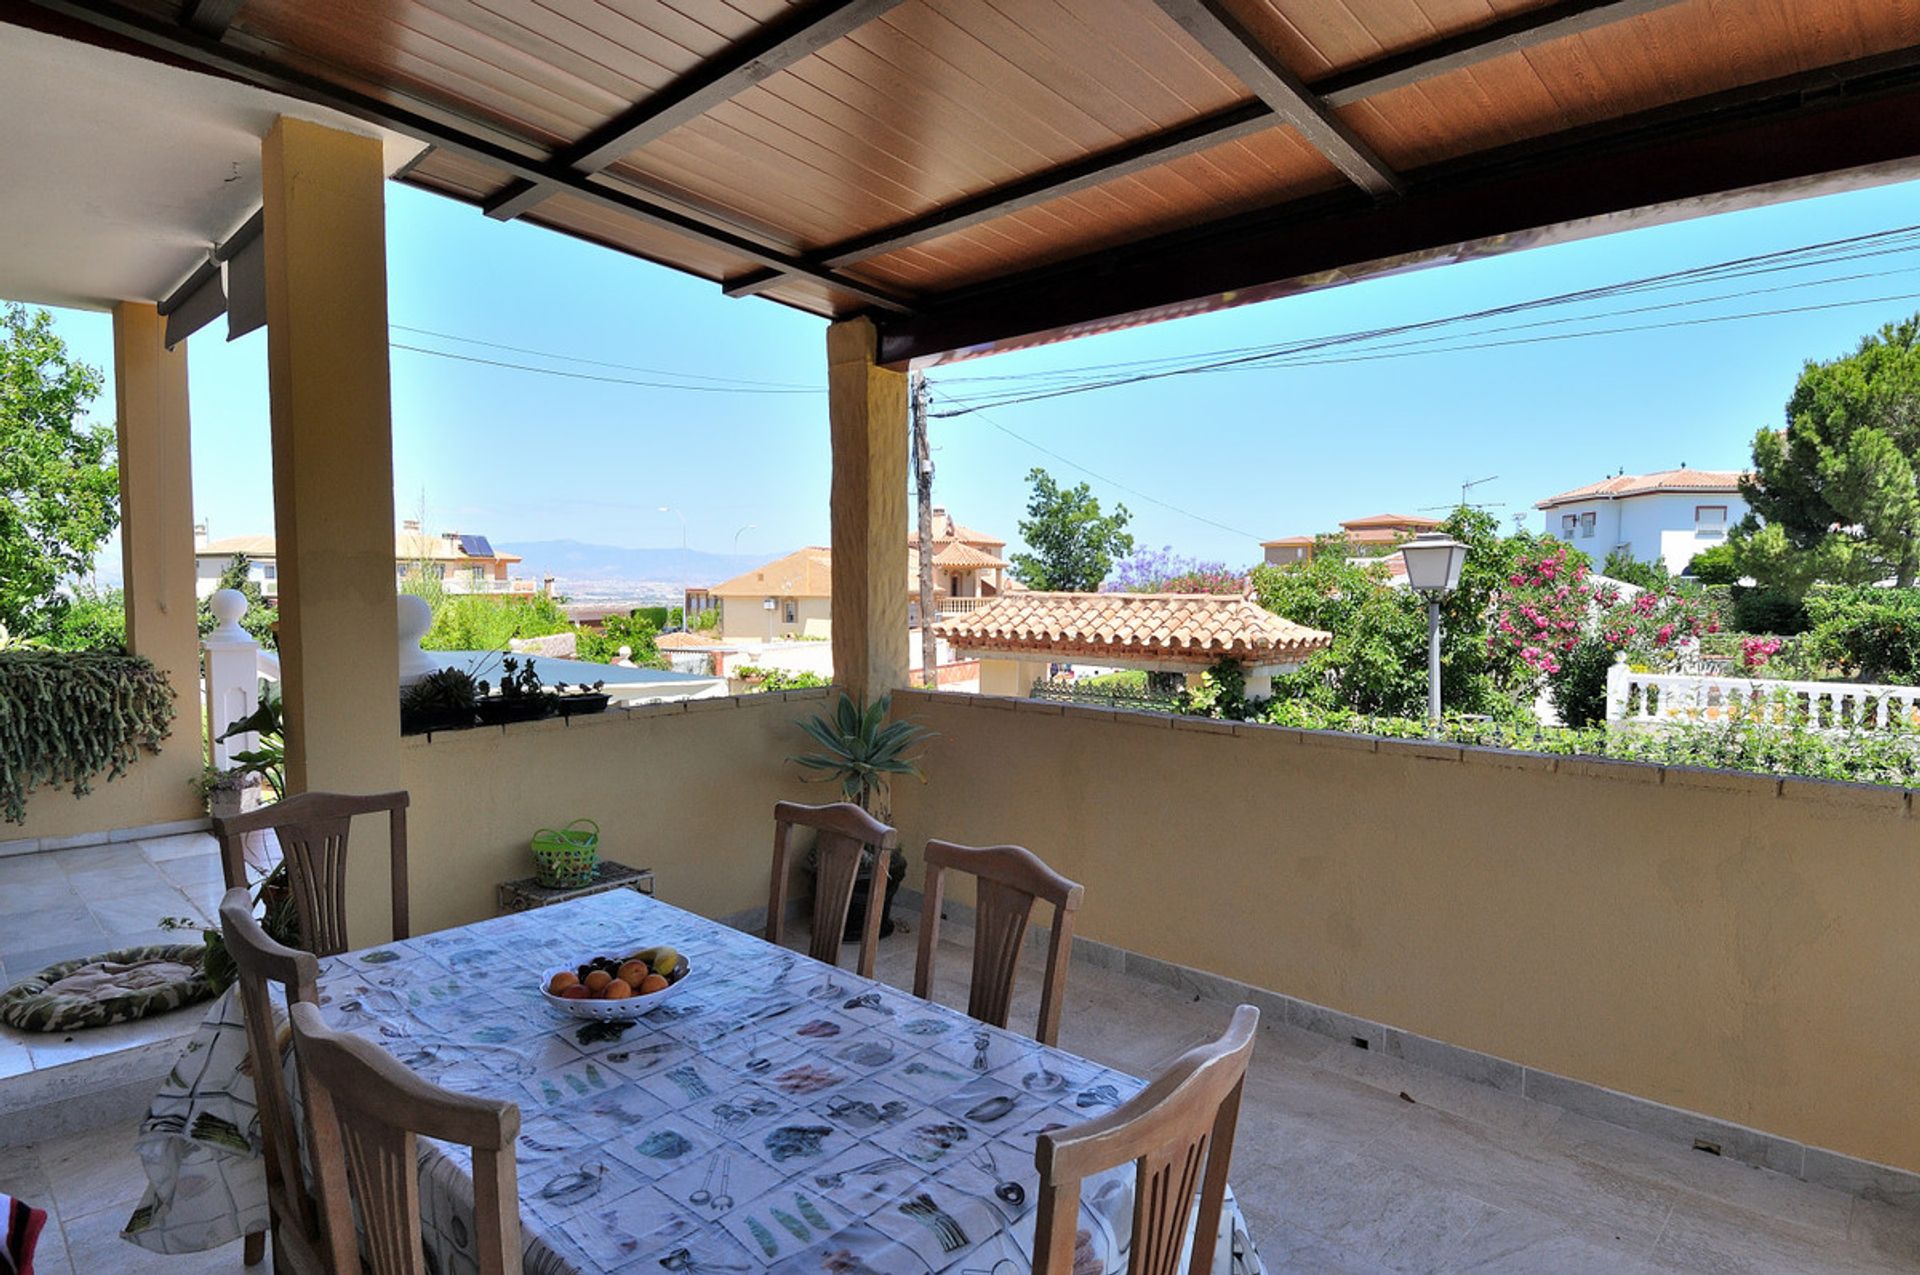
(1666, 517)
(462, 563)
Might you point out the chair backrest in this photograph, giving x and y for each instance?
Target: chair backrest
(312, 830)
(1178, 1131)
(842, 834)
(365, 1111)
(1007, 881)
(261, 961)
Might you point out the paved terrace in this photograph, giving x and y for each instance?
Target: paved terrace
(1348, 1161)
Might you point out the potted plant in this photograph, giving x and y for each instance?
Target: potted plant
(268, 759)
(520, 697)
(223, 791)
(862, 751)
(442, 700)
(581, 699)
(273, 900)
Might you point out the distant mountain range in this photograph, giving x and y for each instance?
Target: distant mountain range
(575, 560)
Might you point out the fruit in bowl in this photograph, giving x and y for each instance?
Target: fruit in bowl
(645, 973)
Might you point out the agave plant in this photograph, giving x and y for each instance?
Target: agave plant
(862, 751)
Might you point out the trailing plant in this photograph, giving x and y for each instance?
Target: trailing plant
(69, 717)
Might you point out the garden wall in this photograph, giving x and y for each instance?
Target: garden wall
(686, 789)
(1731, 944)
(155, 794)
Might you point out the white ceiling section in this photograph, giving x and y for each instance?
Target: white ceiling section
(119, 174)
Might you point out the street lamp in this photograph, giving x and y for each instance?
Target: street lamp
(1433, 563)
(669, 509)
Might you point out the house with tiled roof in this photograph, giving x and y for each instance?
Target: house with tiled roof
(792, 596)
(1018, 636)
(1370, 537)
(1664, 517)
(461, 562)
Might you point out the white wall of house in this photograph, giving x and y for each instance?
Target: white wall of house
(1669, 526)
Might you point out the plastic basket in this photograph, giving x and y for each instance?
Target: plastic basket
(565, 858)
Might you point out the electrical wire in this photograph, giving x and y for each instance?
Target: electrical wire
(624, 367)
(591, 376)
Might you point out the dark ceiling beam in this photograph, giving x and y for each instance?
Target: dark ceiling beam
(1082, 174)
(1837, 128)
(180, 43)
(798, 32)
(1215, 28)
(1479, 44)
(211, 17)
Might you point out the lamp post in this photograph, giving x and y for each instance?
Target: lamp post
(669, 509)
(1433, 570)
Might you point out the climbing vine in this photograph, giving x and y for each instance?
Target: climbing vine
(68, 717)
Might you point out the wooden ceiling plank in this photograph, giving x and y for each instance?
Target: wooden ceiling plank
(211, 17)
(1215, 28)
(804, 30)
(1478, 44)
(1083, 174)
(181, 42)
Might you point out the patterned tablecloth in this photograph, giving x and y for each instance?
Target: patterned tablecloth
(775, 1114)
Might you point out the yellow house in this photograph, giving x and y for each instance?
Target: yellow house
(462, 563)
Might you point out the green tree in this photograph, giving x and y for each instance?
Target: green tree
(261, 615)
(59, 479)
(1839, 488)
(1073, 543)
(1719, 564)
(1621, 565)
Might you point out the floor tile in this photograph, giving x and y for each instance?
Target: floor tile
(22, 898)
(24, 868)
(188, 845)
(199, 869)
(61, 925)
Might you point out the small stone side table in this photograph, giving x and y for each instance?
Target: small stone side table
(527, 892)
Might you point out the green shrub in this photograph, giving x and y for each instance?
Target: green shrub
(602, 646)
(1768, 610)
(780, 679)
(90, 621)
(67, 717)
(1718, 565)
(1869, 633)
(1578, 686)
(1622, 566)
(486, 622)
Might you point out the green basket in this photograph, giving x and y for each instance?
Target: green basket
(566, 858)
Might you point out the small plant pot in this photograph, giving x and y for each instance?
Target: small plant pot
(226, 802)
(577, 705)
(499, 711)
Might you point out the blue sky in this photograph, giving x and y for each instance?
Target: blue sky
(522, 456)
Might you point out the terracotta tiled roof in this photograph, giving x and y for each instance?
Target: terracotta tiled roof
(1195, 627)
(945, 529)
(1373, 529)
(961, 556)
(804, 573)
(1391, 521)
(1718, 481)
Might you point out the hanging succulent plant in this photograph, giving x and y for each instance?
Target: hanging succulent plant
(68, 717)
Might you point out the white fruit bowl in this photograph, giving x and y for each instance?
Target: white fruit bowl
(624, 1011)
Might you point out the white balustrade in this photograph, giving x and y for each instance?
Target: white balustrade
(1669, 699)
(415, 617)
(234, 665)
(960, 606)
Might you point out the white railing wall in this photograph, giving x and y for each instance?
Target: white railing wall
(1666, 699)
(960, 606)
(232, 666)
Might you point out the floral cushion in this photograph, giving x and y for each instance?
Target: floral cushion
(123, 988)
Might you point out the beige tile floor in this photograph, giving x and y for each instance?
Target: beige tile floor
(1347, 1161)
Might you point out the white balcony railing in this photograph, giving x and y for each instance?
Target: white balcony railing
(960, 606)
(1672, 699)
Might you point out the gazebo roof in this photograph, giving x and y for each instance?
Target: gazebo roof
(981, 176)
(1197, 628)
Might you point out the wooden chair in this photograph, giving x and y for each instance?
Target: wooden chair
(312, 830)
(842, 831)
(1008, 880)
(260, 960)
(365, 1111)
(1179, 1131)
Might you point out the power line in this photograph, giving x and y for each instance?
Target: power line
(624, 367)
(1111, 482)
(590, 376)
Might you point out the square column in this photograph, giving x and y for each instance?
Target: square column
(324, 239)
(156, 529)
(867, 413)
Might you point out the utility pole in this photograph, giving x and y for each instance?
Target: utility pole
(923, 486)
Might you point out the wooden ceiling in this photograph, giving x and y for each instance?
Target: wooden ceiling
(978, 174)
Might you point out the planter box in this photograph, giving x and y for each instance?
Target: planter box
(498, 711)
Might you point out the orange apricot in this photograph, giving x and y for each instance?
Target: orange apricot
(633, 973)
(577, 992)
(597, 981)
(562, 981)
(618, 990)
(651, 983)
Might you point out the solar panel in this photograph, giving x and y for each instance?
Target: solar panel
(476, 547)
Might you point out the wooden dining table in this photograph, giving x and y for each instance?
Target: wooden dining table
(774, 1113)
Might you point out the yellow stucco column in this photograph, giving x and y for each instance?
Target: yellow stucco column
(867, 412)
(326, 269)
(156, 536)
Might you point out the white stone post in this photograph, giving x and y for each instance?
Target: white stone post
(1619, 678)
(414, 618)
(232, 677)
(1259, 682)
